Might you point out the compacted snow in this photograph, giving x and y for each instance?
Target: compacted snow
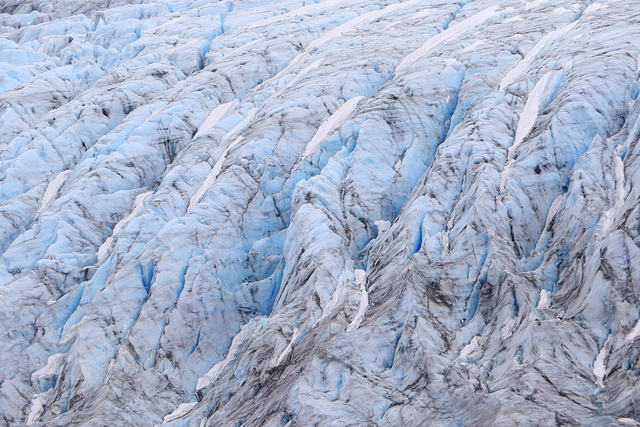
(319, 212)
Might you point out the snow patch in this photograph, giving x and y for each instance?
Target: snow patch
(617, 209)
(524, 64)
(593, 7)
(635, 332)
(535, 3)
(213, 373)
(37, 407)
(313, 66)
(445, 236)
(513, 19)
(553, 209)
(418, 15)
(331, 124)
(213, 175)
(181, 410)
(350, 25)
(339, 31)
(293, 14)
(535, 102)
(105, 249)
(619, 172)
(531, 111)
(52, 190)
(364, 300)
(469, 348)
(600, 364)
(233, 133)
(335, 298)
(217, 167)
(287, 351)
(544, 302)
(474, 45)
(507, 329)
(215, 116)
(50, 369)
(450, 34)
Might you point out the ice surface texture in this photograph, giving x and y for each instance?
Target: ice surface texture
(334, 212)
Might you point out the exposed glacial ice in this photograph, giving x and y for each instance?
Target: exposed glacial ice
(319, 212)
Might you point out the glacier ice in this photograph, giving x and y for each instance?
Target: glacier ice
(319, 212)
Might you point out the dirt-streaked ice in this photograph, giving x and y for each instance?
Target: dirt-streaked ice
(319, 212)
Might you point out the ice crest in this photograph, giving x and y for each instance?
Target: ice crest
(331, 212)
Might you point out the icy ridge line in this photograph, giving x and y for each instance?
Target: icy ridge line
(333, 212)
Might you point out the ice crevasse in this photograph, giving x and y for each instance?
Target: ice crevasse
(319, 212)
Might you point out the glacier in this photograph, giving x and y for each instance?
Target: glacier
(319, 212)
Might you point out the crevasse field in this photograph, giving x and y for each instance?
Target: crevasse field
(332, 213)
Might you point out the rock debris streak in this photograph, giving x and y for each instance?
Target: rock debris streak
(319, 212)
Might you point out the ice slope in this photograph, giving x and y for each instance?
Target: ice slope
(333, 212)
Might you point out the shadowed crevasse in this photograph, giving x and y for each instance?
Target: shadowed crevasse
(334, 212)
